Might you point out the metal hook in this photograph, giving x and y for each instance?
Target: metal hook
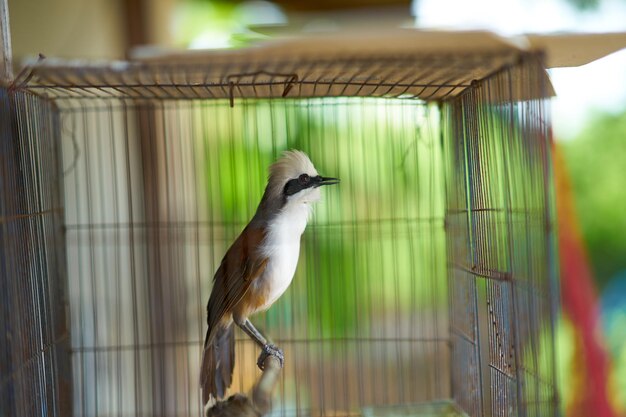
(26, 73)
(232, 98)
(289, 82)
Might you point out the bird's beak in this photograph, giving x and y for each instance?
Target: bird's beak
(328, 181)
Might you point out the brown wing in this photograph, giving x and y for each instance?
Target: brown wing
(241, 265)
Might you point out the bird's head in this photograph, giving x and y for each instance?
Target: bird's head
(294, 179)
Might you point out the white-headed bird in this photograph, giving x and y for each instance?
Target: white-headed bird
(258, 267)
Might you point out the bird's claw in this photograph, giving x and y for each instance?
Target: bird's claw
(270, 350)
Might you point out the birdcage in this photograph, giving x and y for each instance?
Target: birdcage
(427, 278)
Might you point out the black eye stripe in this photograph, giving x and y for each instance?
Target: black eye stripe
(292, 187)
(298, 184)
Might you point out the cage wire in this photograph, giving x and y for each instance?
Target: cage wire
(426, 283)
(35, 369)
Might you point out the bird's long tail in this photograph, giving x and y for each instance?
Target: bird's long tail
(218, 361)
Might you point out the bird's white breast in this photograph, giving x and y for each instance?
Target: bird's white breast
(282, 247)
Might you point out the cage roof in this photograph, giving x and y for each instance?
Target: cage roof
(428, 65)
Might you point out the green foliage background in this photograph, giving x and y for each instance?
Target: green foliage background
(375, 247)
(596, 161)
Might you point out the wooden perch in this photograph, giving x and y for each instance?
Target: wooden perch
(239, 405)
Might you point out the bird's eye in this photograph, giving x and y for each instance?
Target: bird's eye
(304, 179)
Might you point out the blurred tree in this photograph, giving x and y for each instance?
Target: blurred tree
(584, 4)
(217, 24)
(326, 5)
(597, 164)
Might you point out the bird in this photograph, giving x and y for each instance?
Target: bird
(258, 268)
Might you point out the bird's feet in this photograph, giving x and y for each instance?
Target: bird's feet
(270, 350)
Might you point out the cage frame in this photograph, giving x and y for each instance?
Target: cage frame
(32, 82)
